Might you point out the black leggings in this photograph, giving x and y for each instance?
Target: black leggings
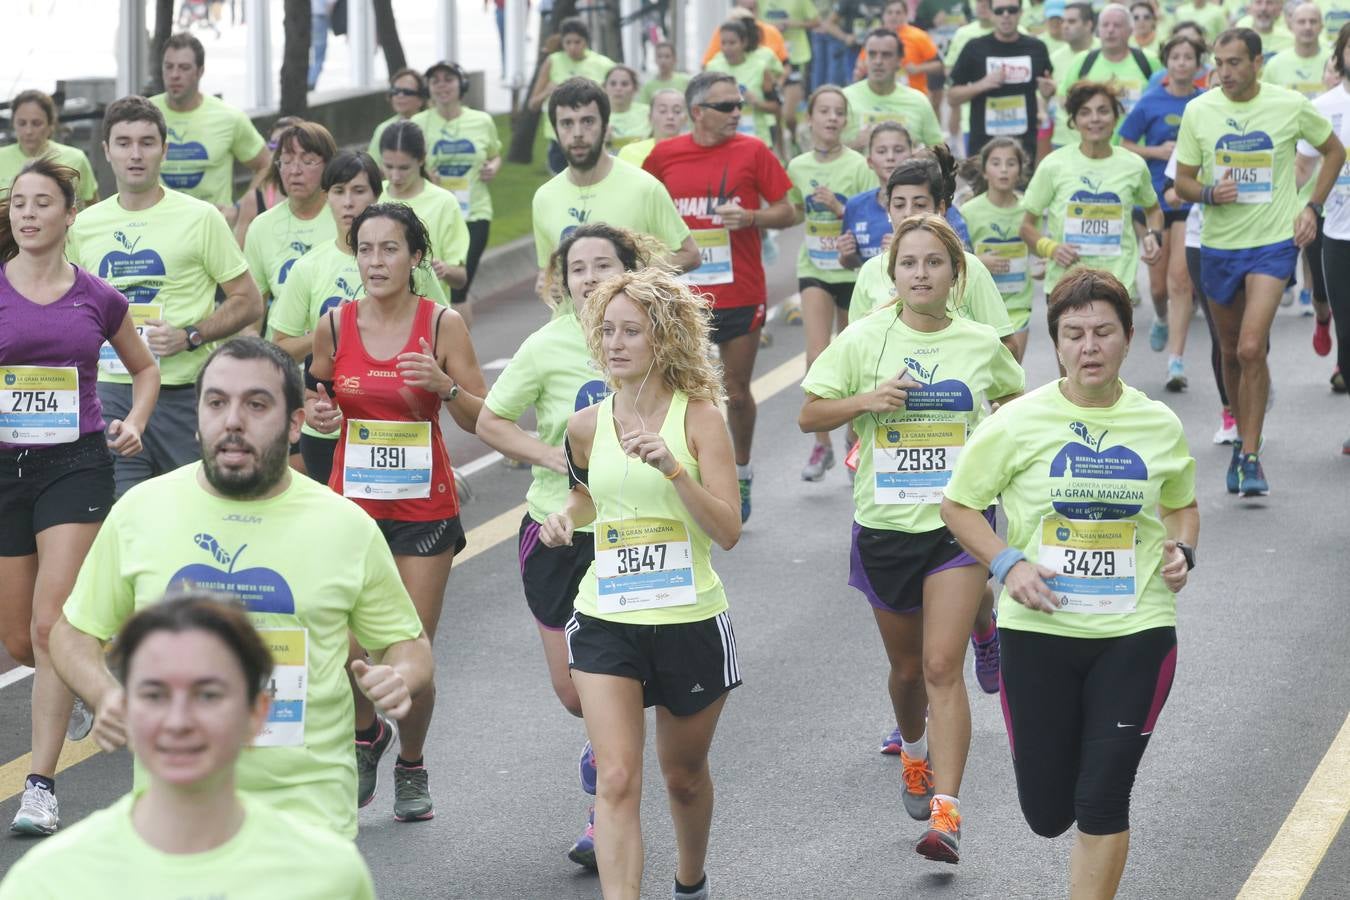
(318, 456)
(1079, 713)
(478, 238)
(1198, 295)
(1336, 268)
(1313, 254)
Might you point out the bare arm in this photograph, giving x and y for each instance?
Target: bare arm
(1187, 182)
(78, 658)
(579, 510)
(509, 439)
(298, 346)
(1333, 157)
(241, 307)
(124, 435)
(716, 503)
(460, 362)
(542, 87)
(686, 258)
(778, 214)
(412, 660)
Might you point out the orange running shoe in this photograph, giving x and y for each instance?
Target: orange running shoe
(942, 841)
(918, 793)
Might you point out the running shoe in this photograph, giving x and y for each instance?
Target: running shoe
(986, 661)
(1176, 375)
(918, 792)
(586, 769)
(1227, 432)
(1305, 307)
(768, 247)
(368, 755)
(81, 722)
(891, 745)
(1157, 336)
(942, 841)
(39, 813)
(792, 312)
(412, 795)
(1322, 338)
(583, 851)
(745, 498)
(703, 893)
(1287, 298)
(1345, 448)
(1252, 478)
(1234, 464)
(822, 459)
(1337, 381)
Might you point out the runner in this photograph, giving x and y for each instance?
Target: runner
(995, 215)
(1000, 75)
(201, 657)
(205, 136)
(822, 180)
(1088, 657)
(574, 60)
(795, 19)
(769, 37)
(718, 180)
(903, 560)
(408, 95)
(229, 523)
(327, 277)
(867, 226)
(465, 155)
(958, 119)
(881, 99)
(390, 457)
(666, 77)
(941, 19)
(268, 192)
(1086, 194)
(169, 254)
(668, 118)
(1125, 68)
(651, 467)
(919, 56)
(1254, 224)
(1144, 27)
(33, 120)
(756, 71)
(1079, 32)
(595, 187)
(1266, 18)
(1150, 130)
(403, 156)
(629, 120)
(56, 474)
(553, 372)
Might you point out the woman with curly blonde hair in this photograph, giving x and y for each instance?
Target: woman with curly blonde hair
(651, 468)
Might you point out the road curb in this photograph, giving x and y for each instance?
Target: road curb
(501, 268)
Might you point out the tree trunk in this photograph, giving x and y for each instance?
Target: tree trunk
(164, 23)
(386, 32)
(525, 121)
(295, 58)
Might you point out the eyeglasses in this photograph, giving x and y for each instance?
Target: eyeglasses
(307, 161)
(404, 92)
(1006, 10)
(726, 106)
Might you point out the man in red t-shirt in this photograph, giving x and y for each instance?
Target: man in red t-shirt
(717, 179)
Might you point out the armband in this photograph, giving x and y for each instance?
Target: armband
(1003, 563)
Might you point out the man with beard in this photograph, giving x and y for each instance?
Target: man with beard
(596, 187)
(309, 566)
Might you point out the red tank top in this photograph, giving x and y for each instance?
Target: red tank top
(389, 460)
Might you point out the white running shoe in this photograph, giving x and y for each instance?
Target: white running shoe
(38, 814)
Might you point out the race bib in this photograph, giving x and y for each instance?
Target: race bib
(108, 360)
(643, 564)
(1342, 186)
(1093, 562)
(459, 186)
(1015, 279)
(1093, 229)
(714, 248)
(285, 726)
(913, 461)
(387, 460)
(1251, 170)
(39, 405)
(1005, 116)
(821, 243)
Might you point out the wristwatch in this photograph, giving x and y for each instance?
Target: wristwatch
(451, 394)
(1316, 208)
(1157, 236)
(194, 337)
(1189, 552)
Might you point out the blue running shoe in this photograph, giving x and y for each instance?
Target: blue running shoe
(1305, 306)
(1252, 478)
(745, 498)
(586, 769)
(1157, 336)
(891, 745)
(1233, 465)
(583, 851)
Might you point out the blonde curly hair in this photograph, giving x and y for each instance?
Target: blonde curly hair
(680, 323)
(634, 249)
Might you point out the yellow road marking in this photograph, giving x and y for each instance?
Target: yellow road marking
(1294, 855)
(481, 539)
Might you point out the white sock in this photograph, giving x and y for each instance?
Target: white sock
(948, 798)
(744, 472)
(916, 750)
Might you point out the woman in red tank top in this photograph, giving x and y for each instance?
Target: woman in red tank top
(382, 369)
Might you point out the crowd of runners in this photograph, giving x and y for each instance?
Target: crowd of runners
(191, 375)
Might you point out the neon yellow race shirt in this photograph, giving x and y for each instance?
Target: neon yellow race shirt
(905, 105)
(12, 161)
(278, 238)
(749, 74)
(456, 151)
(203, 145)
(994, 230)
(845, 175)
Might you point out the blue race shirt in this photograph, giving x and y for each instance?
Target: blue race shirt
(958, 223)
(867, 221)
(1155, 120)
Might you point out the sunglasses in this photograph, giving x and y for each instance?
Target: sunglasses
(404, 92)
(728, 106)
(1006, 10)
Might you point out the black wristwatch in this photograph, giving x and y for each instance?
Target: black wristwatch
(1316, 208)
(1157, 236)
(194, 337)
(1189, 552)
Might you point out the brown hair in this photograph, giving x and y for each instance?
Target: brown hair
(938, 227)
(65, 177)
(1083, 91)
(41, 99)
(1338, 52)
(634, 249)
(310, 137)
(185, 41)
(825, 89)
(133, 109)
(972, 170)
(1082, 286)
(1182, 40)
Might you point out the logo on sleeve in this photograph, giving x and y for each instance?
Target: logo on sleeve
(948, 395)
(1096, 483)
(136, 273)
(263, 590)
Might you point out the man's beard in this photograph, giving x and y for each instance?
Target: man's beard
(589, 161)
(268, 468)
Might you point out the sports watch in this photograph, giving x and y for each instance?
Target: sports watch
(194, 337)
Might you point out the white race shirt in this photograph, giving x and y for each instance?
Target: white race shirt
(1335, 105)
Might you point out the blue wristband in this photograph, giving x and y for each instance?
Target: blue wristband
(1003, 563)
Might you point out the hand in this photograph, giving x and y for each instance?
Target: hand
(846, 244)
(441, 269)
(323, 414)
(124, 438)
(490, 169)
(1164, 150)
(1065, 255)
(164, 339)
(420, 370)
(826, 198)
(650, 448)
(1174, 570)
(734, 216)
(997, 265)
(890, 395)
(1026, 585)
(1225, 190)
(1150, 250)
(383, 686)
(994, 79)
(110, 728)
(1045, 83)
(556, 460)
(1173, 198)
(556, 530)
(1305, 227)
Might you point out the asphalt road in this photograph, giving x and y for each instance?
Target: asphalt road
(806, 806)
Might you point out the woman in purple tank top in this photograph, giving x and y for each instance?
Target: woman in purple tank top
(58, 325)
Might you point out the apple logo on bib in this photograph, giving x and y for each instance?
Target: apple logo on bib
(130, 263)
(612, 535)
(185, 151)
(949, 395)
(10, 378)
(591, 393)
(300, 250)
(1097, 482)
(263, 590)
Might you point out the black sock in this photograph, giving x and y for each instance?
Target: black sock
(371, 734)
(408, 763)
(691, 889)
(42, 781)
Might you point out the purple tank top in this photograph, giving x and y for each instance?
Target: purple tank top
(67, 332)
